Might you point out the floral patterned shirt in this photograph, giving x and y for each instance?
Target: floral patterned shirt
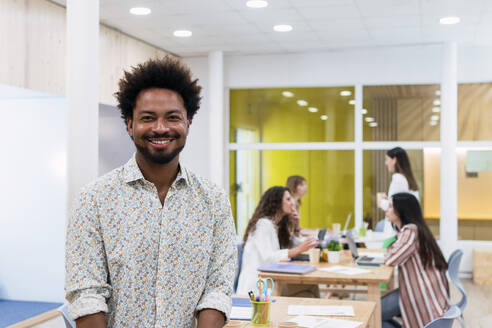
(146, 264)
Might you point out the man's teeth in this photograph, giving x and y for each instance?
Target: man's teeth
(160, 142)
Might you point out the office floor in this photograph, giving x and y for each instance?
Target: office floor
(479, 306)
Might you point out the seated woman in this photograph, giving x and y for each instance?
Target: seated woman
(298, 187)
(261, 238)
(423, 294)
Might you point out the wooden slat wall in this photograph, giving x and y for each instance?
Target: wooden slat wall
(33, 43)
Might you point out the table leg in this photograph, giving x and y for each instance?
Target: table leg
(374, 295)
(391, 284)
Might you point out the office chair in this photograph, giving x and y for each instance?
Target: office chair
(239, 264)
(453, 271)
(379, 226)
(446, 321)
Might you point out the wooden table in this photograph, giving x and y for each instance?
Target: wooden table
(372, 280)
(363, 310)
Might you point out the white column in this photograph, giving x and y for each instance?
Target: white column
(217, 117)
(358, 168)
(449, 113)
(82, 93)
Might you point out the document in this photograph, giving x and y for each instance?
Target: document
(317, 322)
(345, 270)
(339, 310)
(241, 313)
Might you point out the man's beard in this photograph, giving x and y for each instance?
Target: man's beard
(159, 158)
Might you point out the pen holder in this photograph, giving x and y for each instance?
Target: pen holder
(261, 313)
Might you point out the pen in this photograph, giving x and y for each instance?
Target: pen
(251, 296)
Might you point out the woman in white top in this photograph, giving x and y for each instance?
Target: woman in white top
(263, 238)
(402, 180)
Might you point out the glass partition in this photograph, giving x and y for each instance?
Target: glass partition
(292, 114)
(475, 194)
(329, 175)
(426, 169)
(401, 112)
(475, 111)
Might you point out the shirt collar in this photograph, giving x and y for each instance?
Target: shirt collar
(131, 172)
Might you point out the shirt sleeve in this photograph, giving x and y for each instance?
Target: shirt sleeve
(404, 246)
(86, 272)
(222, 266)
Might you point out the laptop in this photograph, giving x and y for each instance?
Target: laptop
(347, 221)
(362, 260)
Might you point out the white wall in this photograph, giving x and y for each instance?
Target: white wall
(195, 155)
(32, 198)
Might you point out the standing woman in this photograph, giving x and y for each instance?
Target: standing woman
(423, 293)
(262, 238)
(402, 179)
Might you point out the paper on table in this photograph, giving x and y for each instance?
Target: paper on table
(340, 310)
(345, 270)
(241, 313)
(317, 322)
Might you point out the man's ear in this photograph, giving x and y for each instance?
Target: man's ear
(129, 126)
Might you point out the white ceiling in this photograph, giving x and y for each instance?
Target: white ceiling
(319, 25)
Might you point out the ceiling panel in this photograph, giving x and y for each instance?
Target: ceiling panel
(231, 26)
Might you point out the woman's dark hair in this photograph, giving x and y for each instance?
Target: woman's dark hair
(270, 204)
(402, 166)
(166, 73)
(408, 210)
(292, 183)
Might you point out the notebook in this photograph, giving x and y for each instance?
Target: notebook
(287, 268)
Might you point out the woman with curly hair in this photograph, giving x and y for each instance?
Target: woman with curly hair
(264, 236)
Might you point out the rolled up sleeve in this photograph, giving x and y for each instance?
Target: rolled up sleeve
(222, 265)
(86, 273)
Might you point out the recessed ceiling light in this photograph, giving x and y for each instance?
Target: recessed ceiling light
(449, 20)
(182, 33)
(364, 111)
(312, 109)
(352, 102)
(301, 102)
(345, 93)
(373, 124)
(140, 11)
(436, 102)
(324, 117)
(282, 28)
(438, 92)
(287, 94)
(433, 123)
(436, 109)
(256, 3)
(435, 117)
(369, 119)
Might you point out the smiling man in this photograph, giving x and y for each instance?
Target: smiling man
(151, 244)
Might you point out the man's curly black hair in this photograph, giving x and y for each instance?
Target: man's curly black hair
(166, 73)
